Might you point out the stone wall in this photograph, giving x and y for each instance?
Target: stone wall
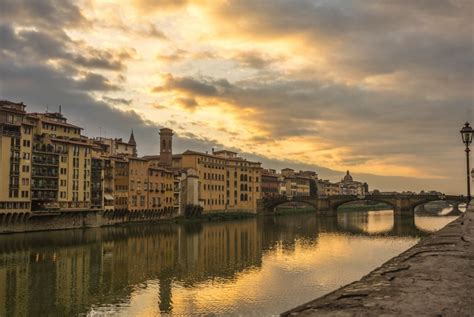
(28, 221)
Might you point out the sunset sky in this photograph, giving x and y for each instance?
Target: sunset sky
(380, 88)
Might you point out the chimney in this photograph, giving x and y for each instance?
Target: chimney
(166, 147)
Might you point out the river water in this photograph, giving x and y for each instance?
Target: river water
(251, 267)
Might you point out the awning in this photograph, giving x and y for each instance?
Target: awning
(108, 197)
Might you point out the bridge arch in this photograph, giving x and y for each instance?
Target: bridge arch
(272, 206)
(454, 203)
(338, 203)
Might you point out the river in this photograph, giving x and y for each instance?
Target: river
(252, 267)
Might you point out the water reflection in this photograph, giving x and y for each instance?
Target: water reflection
(252, 267)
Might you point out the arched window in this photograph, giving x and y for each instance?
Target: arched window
(241, 197)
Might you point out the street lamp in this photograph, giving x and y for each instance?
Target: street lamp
(466, 133)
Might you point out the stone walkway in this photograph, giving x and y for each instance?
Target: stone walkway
(433, 278)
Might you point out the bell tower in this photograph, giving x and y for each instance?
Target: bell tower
(166, 147)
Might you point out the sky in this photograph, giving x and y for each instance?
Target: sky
(380, 88)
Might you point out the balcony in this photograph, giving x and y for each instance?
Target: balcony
(47, 188)
(10, 132)
(45, 162)
(48, 149)
(44, 175)
(44, 196)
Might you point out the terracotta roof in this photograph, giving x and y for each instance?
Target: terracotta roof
(239, 159)
(64, 124)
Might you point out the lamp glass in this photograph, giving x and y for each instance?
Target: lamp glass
(466, 133)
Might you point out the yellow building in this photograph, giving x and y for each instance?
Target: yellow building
(45, 161)
(15, 158)
(326, 188)
(60, 165)
(227, 182)
(160, 186)
(150, 188)
(47, 165)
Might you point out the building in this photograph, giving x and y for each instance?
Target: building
(293, 184)
(348, 186)
(270, 184)
(226, 181)
(97, 183)
(46, 162)
(326, 188)
(16, 141)
(116, 147)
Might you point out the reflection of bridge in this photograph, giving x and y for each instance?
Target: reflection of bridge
(401, 227)
(403, 205)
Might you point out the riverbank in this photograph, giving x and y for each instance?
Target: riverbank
(432, 278)
(51, 221)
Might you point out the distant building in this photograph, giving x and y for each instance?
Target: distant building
(302, 183)
(348, 186)
(270, 183)
(326, 188)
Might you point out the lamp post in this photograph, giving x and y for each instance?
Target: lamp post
(466, 133)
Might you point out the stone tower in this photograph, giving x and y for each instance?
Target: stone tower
(133, 143)
(166, 147)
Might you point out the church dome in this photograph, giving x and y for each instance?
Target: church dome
(348, 178)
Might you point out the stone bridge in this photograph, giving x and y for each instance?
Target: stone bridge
(401, 204)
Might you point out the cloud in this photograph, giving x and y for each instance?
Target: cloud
(117, 101)
(187, 84)
(254, 60)
(51, 14)
(188, 103)
(148, 6)
(95, 82)
(154, 32)
(42, 46)
(374, 86)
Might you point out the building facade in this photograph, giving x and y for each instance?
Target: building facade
(347, 186)
(270, 184)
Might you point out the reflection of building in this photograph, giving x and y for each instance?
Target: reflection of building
(69, 273)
